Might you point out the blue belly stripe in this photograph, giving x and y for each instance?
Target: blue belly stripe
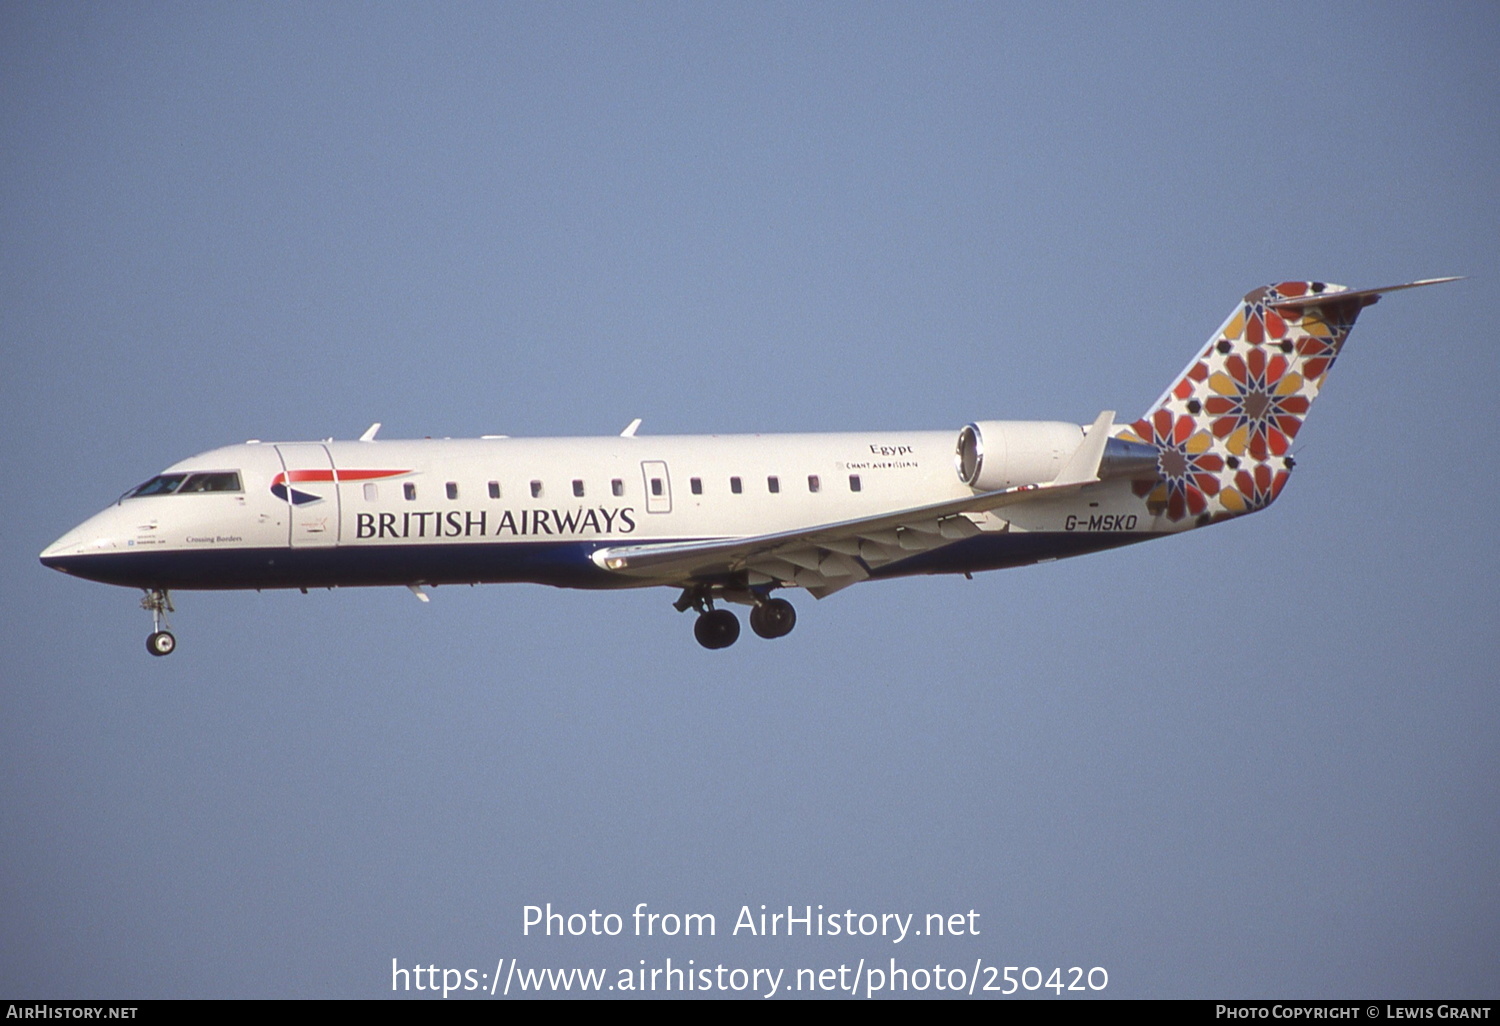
(565, 564)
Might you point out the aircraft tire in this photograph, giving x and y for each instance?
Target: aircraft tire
(717, 628)
(774, 619)
(161, 643)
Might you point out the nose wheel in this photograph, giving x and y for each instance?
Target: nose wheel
(158, 602)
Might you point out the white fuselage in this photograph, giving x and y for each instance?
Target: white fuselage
(441, 511)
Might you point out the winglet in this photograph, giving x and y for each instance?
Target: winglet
(369, 435)
(1083, 466)
(629, 431)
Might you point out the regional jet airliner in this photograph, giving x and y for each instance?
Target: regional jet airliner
(730, 520)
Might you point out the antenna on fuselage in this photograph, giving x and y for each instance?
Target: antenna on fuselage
(629, 431)
(369, 435)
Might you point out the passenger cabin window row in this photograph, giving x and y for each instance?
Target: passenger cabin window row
(229, 481)
(166, 484)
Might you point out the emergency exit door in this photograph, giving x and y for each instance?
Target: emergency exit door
(658, 486)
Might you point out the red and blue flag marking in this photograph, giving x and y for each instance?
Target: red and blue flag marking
(281, 483)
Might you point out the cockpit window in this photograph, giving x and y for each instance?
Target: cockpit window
(217, 481)
(182, 484)
(161, 484)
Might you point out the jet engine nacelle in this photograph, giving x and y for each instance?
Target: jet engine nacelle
(995, 454)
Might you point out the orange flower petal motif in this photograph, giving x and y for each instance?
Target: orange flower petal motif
(1318, 353)
(1261, 322)
(1321, 337)
(1254, 489)
(1256, 406)
(1185, 386)
(1187, 468)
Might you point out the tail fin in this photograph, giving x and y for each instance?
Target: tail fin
(1223, 429)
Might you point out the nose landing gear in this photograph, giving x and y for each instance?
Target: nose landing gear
(158, 602)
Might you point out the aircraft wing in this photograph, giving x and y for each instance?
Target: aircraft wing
(828, 557)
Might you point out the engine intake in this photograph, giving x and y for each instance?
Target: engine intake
(996, 454)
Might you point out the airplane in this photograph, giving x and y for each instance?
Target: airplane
(732, 519)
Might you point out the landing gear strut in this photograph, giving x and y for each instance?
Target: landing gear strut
(158, 602)
(714, 628)
(719, 628)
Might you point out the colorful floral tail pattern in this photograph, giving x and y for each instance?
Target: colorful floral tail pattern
(1223, 431)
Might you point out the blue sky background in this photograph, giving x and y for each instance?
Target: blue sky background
(1253, 761)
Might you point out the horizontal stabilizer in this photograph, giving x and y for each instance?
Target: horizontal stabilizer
(1365, 297)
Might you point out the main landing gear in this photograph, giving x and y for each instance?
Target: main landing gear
(716, 628)
(773, 618)
(720, 628)
(158, 602)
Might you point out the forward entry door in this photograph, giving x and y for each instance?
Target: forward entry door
(312, 494)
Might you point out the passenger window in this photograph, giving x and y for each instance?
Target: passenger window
(854, 482)
(773, 484)
(578, 488)
(372, 492)
(696, 484)
(536, 489)
(494, 489)
(452, 489)
(735, 486)
(617, 486)
(410, 488)
(812, 482)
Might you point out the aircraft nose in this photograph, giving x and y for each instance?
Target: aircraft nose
(97, 535)
(51, 552)
(63, 553)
